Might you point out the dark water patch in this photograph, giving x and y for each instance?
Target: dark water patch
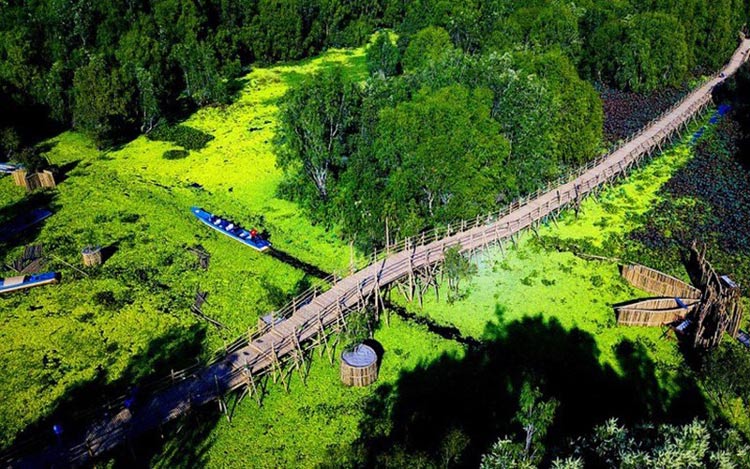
(446, 332)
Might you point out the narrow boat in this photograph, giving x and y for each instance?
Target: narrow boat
(23, 282)
(250, 238)
(7, 168)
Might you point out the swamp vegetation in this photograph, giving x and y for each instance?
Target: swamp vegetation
(450, 110)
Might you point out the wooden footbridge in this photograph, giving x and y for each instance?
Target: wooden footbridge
(310, 319)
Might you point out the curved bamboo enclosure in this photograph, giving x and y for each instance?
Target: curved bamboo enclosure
(359, 366)
(92, 256)
(658, 283)
(654, 311)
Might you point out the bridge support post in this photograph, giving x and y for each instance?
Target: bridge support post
(276, 369)
(251, 389)
(220, 399)
(298, 356)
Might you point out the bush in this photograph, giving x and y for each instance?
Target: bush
(182, 135)
(175, 154)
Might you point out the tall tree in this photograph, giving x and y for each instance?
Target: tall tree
(383, 56)
(318, 121)
(98, 100)
(428, 45)
(451, 168)
(535, 416)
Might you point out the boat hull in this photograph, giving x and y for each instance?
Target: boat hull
(204, 217)
(29, 282)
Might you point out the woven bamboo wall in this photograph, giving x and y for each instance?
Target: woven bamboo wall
(359, 376)
(658, 283)
(721, 309)
(19, 177)
(46, 179)
(32, 181)
(92, 256)
(639, 317)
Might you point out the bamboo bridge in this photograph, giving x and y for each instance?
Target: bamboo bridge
(310, 319)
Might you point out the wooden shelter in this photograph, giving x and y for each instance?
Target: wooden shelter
(359, 366)
(654, 311)
(33, 181)
(713, 307)
(92, 256)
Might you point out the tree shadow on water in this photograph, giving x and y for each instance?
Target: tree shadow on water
(475, 396)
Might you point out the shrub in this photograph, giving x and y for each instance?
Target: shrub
(182, 135)
(175, 154)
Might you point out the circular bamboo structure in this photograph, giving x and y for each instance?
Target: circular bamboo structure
(92, 256)
(359, 366)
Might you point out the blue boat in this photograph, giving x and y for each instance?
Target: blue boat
(8, 168)
(28, 281)
(227, 227)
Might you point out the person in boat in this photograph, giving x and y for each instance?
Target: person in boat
(218, 221)
(230, 226)
(253, 234)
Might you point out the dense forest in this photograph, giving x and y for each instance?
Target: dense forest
(114, 68)
(509, 90)
(508, 84)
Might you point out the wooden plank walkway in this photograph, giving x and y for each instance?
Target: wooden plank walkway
(201, 385)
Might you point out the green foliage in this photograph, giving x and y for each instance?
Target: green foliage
(185, 136)
(200, 71)
(383, 56)
(506, 454)
(31, 159)
(535, 417)
(98, 100)
(726, 380)
(126, 319)
(318, 121)
(641, 52)
(360, 326)
(577, 117)
(416, 169)
(175, 154)
(691, 445)
(457, 268)
(10, 142)
(60, 62)
(428, 45)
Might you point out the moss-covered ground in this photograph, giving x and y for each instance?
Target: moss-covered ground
(118, 322)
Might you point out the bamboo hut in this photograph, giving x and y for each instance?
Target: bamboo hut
(359, 366)
(33, 181)
(92, 256)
